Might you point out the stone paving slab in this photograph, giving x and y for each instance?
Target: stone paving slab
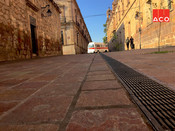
(31, 85)
(5, 106)
(70, 78)
(40, 127)
(59, 89)
(3, 77)
(45, 78)
(14, 94)
(103, 98)
(11, 82)
(96, 85)
(3, 88)
(107, 120)
(39, 110)
(93, 73)
(99, 68)
(101, 77)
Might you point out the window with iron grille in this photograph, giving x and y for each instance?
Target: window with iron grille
(62, 38)
(169, 4)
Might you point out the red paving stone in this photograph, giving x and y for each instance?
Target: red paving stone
(40, 110)
(103, 98)
(3, 88)
(96, 85)
(31, 85)
(70, 78)
(107, 120)
(40, 127)
(54, 90)
(92, 73)
(101, 77)
(99, 68)
(13, 94)
(11, 82)
(5, 106)
(44, 78)
(3, 77)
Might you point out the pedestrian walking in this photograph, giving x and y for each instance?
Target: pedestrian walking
(127, 43)
(132, 42)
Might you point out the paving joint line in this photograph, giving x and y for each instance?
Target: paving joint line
(31, 78)
(30, 123)
(30, 68)
(100, 74)
(102, 89)
(97, 70)
(29, 97)
(71, 109)
(101, 80)
(26, 60)
(104, 107)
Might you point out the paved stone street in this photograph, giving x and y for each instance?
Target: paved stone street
(76, 93)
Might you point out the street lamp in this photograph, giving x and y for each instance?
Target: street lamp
(149, 2)
(138, 16)
(140, 26)
(46, 13)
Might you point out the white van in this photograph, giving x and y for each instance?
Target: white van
(95, 47)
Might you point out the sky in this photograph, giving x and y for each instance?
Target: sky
(95, 23)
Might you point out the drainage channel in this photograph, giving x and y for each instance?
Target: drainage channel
(156, 101)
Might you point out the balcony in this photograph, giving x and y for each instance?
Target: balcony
(78, 24)
(82, 31)
(63, 20)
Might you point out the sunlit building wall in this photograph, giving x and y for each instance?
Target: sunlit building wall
(74, 33)
(125, 19)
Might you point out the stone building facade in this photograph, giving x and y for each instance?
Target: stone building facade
(27, 29)
(74, 33)
(124, 20)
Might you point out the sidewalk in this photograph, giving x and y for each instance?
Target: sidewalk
(72, 93)
(159, 67)
(103, 104)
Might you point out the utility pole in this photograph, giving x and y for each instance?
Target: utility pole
(159, 30)
(140, 26)
(159, 37)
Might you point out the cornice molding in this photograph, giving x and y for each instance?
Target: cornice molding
(32, 6)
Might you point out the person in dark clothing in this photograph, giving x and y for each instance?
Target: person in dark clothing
(127, 43)
(132, 42)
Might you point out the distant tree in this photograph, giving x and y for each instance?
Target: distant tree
(105, 39)
(105, 28)
(105, 31)
(115, 42)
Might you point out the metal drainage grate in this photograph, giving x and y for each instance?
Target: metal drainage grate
(155, 100)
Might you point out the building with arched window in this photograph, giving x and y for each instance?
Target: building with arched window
(135, 18)
(75, 35)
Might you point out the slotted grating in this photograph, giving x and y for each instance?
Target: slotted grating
(158, 100)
